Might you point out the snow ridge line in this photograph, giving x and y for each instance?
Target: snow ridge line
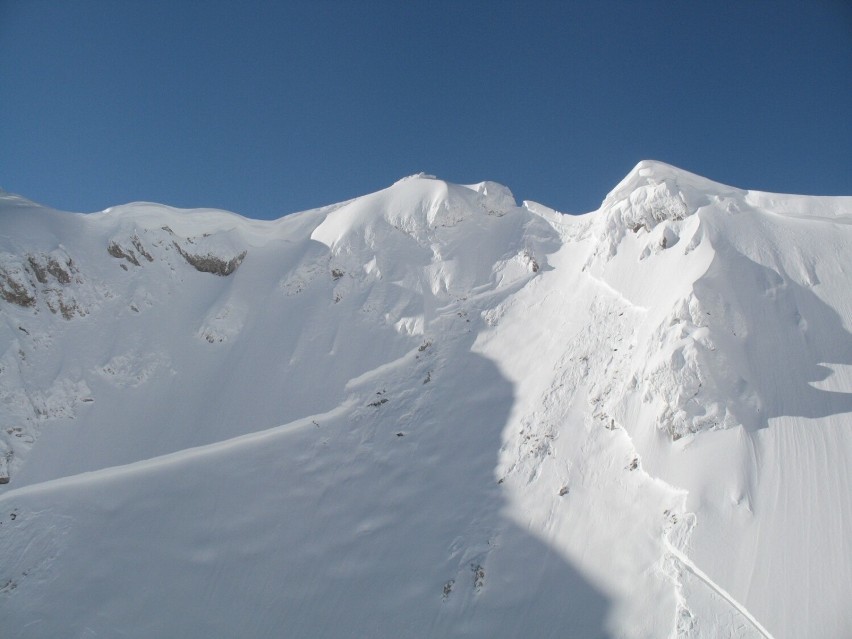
(175, 457)
(687, 563)
(616, 293)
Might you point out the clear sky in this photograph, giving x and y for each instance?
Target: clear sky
(265, 108)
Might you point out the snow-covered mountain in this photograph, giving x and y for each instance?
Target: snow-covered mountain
(430, 412)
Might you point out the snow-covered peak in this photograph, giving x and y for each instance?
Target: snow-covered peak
(654, 191)
(418, 206)
(437, 236)
(417, 176)
(497, 196)
(649, 175)
(654, 200)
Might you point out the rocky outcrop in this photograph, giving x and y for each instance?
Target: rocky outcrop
(210, 263)
(49, 277)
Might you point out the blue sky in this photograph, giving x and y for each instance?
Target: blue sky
(265, 108)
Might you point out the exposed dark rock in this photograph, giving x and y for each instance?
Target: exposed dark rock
(15, 291)
(211, 263)
(62, 275)
(478, 576)
(116, 251)
(42, 267)
(137, 244)
(39, 271)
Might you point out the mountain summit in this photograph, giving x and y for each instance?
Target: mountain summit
(430, 412)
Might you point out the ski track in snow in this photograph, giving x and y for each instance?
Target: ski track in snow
(687, 563)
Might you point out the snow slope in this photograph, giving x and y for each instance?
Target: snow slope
(430, 412)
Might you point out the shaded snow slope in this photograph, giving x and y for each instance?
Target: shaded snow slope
(430, 411)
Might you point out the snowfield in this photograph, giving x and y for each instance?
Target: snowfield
(430, 412)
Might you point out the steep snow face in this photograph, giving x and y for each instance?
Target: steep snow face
(232, 325)
(702, 345)
(430, 411)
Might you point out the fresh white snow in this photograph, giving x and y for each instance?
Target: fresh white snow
(430, 412)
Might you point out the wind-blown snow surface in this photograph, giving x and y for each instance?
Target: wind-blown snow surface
(430, 412)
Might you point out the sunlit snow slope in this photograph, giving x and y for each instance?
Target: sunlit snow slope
(430, 412)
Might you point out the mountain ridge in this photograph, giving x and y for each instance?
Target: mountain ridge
(613, 424)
